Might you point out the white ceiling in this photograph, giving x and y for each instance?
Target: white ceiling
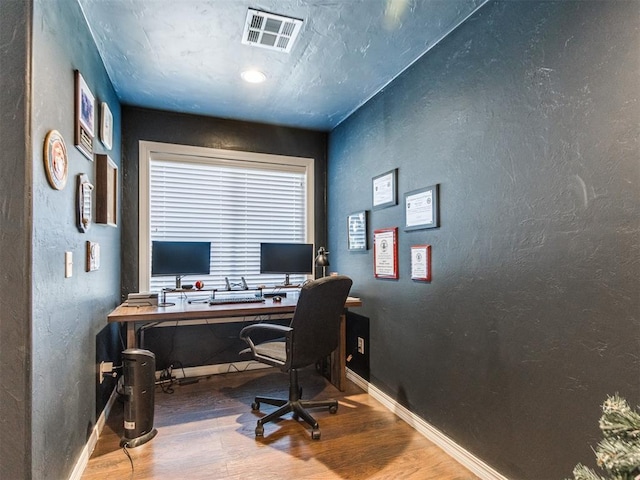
(187, 56)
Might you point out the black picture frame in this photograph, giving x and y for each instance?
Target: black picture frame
(357, 231)
(422, 208)
(384, 189)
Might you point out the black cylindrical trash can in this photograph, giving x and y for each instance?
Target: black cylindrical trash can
(139, 384)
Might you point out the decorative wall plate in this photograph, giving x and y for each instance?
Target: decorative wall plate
(56, 162)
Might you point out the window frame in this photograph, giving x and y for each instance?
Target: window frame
(149, 151)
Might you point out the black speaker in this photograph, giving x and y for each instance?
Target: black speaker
(139, 384)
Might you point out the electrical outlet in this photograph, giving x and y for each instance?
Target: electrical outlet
(361, 345)
(106, 368)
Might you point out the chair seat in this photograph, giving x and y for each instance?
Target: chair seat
(275, 350)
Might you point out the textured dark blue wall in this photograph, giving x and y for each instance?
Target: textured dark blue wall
(528, 118)
(15, 238)
(68, 313)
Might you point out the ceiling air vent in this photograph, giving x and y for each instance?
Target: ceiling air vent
(271, 31)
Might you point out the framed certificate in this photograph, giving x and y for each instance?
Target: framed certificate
(421, 208)
(385, 253)
(385, 192)
(421, 263)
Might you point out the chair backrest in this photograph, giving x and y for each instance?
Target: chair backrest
(316, 320)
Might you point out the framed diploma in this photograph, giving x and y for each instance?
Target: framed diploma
(385, 193)
(385, 253)
(421, 208)
(421, 263)
(357, 231)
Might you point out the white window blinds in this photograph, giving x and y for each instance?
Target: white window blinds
(235, 205)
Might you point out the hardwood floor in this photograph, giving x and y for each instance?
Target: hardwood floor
(206, 431)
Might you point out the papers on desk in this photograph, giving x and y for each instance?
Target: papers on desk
(142, 299)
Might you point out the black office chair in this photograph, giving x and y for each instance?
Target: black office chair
(314, 333)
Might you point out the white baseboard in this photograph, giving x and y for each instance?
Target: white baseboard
(455, 451)
(82, 462)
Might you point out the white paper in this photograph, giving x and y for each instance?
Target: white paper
(383, 189)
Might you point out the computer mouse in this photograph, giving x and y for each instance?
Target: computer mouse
(277, 298)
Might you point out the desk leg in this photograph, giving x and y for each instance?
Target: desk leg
(131, 334)
(338, 358)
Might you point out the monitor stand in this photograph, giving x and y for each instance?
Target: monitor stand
(163, 298)
(286, 280)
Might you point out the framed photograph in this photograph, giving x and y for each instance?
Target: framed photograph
(385, 253)
(385, 189)
(421, 263)
(85, 117)
(357, 231)
(106, 191)
(106, 125)
(421, 208)
(56, 163)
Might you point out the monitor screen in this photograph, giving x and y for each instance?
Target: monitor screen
(180, 258)
(286, 258)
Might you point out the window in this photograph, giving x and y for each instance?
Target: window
(235, 200)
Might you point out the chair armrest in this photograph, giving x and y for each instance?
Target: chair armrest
(264, 327)
(267, 328)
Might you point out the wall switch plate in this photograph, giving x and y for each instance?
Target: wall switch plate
(68, 264)
(361, 345)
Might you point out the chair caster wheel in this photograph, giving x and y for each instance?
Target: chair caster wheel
(255, 406)
(259, 431)
(315, 434)
(333, 409)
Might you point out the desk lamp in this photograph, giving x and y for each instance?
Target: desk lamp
(322, 260)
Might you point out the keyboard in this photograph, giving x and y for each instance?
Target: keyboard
(230, 300)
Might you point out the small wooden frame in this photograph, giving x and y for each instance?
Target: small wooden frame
(93, 256)
(106, 191)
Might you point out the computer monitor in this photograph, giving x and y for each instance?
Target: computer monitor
(179, 259)
(286, 258)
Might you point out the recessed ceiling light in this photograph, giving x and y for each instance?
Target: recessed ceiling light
(253, 76)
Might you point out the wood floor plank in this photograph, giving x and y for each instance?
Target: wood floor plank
(206, 431)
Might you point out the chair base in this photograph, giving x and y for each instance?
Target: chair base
(294, 405)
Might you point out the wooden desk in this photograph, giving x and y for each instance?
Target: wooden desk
(231, 312)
